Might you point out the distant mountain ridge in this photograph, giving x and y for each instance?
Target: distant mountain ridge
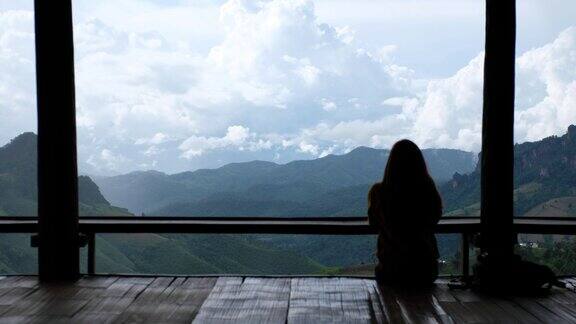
(297, 184)
(135, 253)
(544, 171)
(18, 183)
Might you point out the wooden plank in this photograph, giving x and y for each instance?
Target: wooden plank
(143, 306)
(329, 300)
(118, 289)
(189, 297)
(27, 281)
(391, 309)
(483, 306)
(60, 307)
(108, 304)
(375, 302)
(52, 300)
(568, 313)
(10, 282)
(515, 311)
(96, 281)
(562, 296)
(537, 310)
(452, 306)
(166, 305)
(135, 291)
(15, 294)
(36, 319)
(421, 307)
(222, 299)
(249, 300)
(462, 313)
(138, 280)
(91, 318)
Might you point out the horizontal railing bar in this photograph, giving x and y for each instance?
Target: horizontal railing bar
(235, 275)
(314, 218)
(332, 226)
(545, 226)
(254, 225)
(246, 218)
(18, 225)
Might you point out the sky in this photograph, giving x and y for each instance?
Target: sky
(177, 85)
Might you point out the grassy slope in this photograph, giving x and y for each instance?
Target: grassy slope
(196, 254)
(556, 207)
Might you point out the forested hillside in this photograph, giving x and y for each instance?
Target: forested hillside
(142, 253)
(545, 174)
(544, 180)
(330, 186)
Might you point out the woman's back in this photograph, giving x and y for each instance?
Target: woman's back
(405, 208)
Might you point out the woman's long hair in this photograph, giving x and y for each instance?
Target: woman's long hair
(407, 185)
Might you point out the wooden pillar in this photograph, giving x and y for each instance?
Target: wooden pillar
(58, 250)
(497, 168)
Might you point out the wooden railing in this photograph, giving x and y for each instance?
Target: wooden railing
(90, 226)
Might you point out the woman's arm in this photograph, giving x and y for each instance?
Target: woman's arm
(374, 205)
(436, 207)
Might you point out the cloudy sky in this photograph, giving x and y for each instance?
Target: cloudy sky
(177, 85)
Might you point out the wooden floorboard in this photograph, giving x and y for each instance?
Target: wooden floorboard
(329, 300)
(113, 299)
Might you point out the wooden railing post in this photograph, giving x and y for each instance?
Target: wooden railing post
(465, 262)
(497, 160)
(91, 253)
(58, 250)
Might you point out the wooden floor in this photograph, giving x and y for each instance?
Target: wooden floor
(264, 300)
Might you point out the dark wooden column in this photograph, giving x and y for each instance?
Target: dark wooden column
(58, 251)
(498, 130)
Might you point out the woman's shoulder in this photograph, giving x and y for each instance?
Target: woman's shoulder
(376, 188)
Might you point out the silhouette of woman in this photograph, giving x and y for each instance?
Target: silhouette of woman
(405, 207)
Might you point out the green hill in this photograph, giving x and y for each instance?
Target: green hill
(556, 207)
(329, 186)
(544, 171)
(18, 183)
(136, 253)
(197, 254)
(265, 188)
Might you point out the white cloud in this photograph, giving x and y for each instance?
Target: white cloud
(395, 101)
(236, 136)
(108, 160)
(450, 113)
(17, 68)
(451, 110)
(546, 92)
(308, 148)
(158, 138)
(328, 105)
(268, 80)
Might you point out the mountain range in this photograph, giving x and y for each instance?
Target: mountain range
(118, 253)
(544, 180)
(335, 185)
(18, 183)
